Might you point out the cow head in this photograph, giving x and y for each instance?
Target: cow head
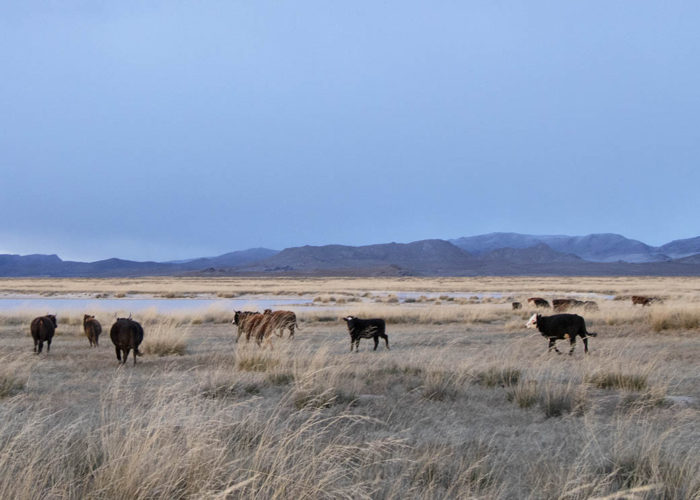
(236, 317)
(532, 322)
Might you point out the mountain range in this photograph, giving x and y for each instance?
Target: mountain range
(487, 254)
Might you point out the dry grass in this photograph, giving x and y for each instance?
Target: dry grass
(467, 404)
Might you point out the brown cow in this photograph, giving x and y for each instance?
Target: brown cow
(644, 301)
(242, 320)
(279, 321)
(516, 305)
(92, 329)
(537, 302)
(590, 305)
(560, 305)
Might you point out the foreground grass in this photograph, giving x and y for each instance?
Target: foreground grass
(467, 404)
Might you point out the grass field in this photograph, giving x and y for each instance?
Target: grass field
(466, 404)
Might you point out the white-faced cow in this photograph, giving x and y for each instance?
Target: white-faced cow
(366, 329)
(559, 327)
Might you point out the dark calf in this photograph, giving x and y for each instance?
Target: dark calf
(42, 329)
(366, 329)
(561, 326)
(126, 334)
(516, 305)
(92, 329)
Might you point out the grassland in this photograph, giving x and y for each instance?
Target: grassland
(466, 404)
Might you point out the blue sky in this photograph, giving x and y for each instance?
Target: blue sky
(166, 130)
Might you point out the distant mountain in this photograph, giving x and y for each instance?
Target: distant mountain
(491, 254)
(593, 247)
(231, 259)
(681, 248)
(427, 256)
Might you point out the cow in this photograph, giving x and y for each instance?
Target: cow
(590, 305)
(92, 329)
(644, 301)
(242, 320)
(538, 302)
(279, 321)
(561, 326)
(366, 329)
(43, 328)
(516, 305)
(560, 305)
(126, 334)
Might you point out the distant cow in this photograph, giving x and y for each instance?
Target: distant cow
(516, 305)
(126, 334)
(366, 329)
(560, 305)
(644, 301)
(590, 305)
(42, 329)
(561, 326)
(92, 329)
(279, 321)
(538, 302)
(242, 319)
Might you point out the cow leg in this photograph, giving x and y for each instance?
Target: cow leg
(386, 340)
(119, 353)
(41, 346)
(48, 346)
(585, 344)
(572, 343)
(291, 331)
(126, 354)
(36, 344)
(376, 342)
(553, 346)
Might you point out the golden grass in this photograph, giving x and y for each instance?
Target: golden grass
(467, 404)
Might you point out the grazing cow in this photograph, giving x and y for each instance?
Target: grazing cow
(590, 305)
(644, 301)
(560, 305)
(42, 329)
(126, 334)
(366, 329)
(516, 305)
(538, 302)
(278, 321)
(561, 326)
(92, 329)
(242, 320)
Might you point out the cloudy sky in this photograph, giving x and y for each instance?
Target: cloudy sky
(174, 129)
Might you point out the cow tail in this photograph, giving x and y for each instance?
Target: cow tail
(592, 334)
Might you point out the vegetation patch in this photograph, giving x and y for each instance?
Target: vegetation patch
(618, 380)
(256, 362)
(10, 385)
(494, 376)
(525, 394)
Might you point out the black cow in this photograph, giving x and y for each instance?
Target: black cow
(561, 326)
(42, 329)
(366, 329)
(126, 334)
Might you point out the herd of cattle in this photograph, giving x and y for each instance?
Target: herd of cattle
(127, 334)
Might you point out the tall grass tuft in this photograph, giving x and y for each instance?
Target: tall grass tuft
(165, 339)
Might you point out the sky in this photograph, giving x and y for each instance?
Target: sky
(159, 130)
